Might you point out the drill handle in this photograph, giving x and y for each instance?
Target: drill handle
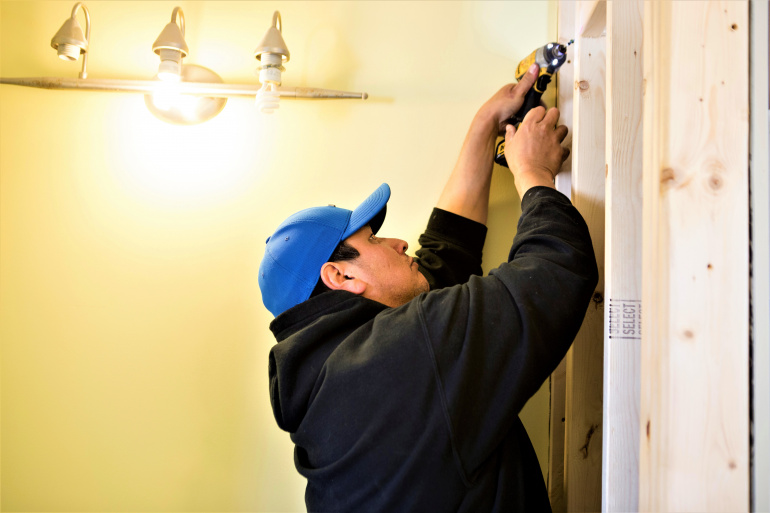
(531, 100)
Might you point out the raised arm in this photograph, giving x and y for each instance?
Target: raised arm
(466, 193)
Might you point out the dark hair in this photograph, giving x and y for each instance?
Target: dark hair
(341, 253)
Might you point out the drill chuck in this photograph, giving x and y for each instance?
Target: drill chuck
(549, 58)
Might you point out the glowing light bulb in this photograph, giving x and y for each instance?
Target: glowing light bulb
(169, 104)
(170, 68)
(164, 96)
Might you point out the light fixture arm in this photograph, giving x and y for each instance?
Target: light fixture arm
(81, 5)
(181, 18)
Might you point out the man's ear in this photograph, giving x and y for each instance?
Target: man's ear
(338, 276)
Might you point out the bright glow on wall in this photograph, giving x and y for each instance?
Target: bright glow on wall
(194, 165)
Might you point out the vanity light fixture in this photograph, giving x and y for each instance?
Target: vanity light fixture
(181, 93)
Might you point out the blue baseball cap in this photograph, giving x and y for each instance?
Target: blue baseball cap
(303, 243)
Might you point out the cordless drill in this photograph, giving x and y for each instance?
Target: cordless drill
(550, 58)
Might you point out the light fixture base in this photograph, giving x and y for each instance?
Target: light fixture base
(184, 109)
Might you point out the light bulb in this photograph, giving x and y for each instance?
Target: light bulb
(168, 104)
(267, 98)
(170, 67)
(270, 76)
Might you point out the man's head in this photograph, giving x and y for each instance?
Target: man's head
(297, 256)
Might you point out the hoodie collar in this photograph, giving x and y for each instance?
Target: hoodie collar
(307, 335)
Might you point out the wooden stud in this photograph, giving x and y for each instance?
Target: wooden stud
(694, 374)
(584, 361)
(623, 254)
(564, 91)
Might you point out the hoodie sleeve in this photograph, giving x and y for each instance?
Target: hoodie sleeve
(450, 249)
(497, 338)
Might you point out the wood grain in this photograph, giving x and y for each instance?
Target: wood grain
(694, 373)
(623, 258)
(592, 18)
(564, 92)
(583, 406)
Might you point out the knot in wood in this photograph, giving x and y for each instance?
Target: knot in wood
(583, 85)
(715, 176)
(589, 435)
(667, 175)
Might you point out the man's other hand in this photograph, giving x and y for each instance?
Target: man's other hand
(533, 152)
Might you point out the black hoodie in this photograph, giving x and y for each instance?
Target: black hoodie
(416, 408)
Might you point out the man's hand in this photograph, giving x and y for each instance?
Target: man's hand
(533, 152)
(508, 100)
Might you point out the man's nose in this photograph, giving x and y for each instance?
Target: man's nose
(399, 245)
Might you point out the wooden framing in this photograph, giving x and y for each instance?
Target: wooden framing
(591, 18)
(694, 396)
(675, 399)
(564, 81)
(623, 257)
(583, 405)
(576, 385)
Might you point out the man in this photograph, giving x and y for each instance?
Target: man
(400, 379)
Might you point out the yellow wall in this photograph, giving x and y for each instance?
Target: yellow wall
(134, 340)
